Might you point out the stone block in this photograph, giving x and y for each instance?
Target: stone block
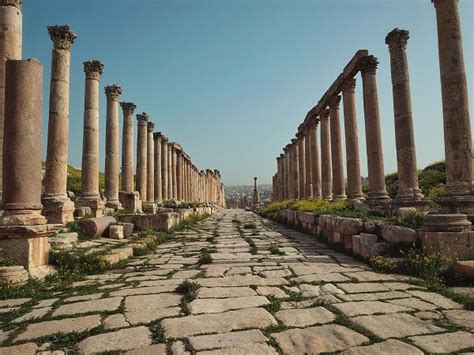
(116, 232)
(366, 242)
(83, 211)
(450, 245)
(347, 240)
(356, 244)
(95, 227)
(28, 251)
(127, 228)
(348, 226)
(58, 210)
(15, 275)
(109, 211)
(397, 234)
(131, 201)
(464, 269)
(149, 207)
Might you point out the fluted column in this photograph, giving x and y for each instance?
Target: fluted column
(409, 193)
(127, 146)
(11, 33)
(170, 171)
(373, 135)
(326, 170)
(308, 164)
(90, 196)
(315, 161)
(164, 168)
(158, 177)
(142, 155)
(174, 171)
(179, 176)
(57, 207)
(301, 165)
(458, 191)
(354, 181)
(336, 149)
(296, 169)
(288, 172)
(112, 146)
(276, 183)
(150, 164)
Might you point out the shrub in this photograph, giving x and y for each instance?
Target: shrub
(382, 265)
(430, 267)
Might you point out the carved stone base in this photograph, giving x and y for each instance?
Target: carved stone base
(96, 205)
(457, 203)
(58, 210)
(131, 201)
(420, 203)
(149, 207)
(116, 205)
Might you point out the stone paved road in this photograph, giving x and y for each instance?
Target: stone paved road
(268, 290)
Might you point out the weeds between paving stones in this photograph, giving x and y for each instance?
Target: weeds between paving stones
(250, 226)
(253, 247)
(274, 306)
(275, 251)
(188, 290)
(157, 332)
(205, 257)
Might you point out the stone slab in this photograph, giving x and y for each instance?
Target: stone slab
(238, 280)
(227, 340)
(224, 292)
(149, 302)
(351, 309)
(460, 317)
(390, 346)
(362, 287)
(150, 315)
(249, 349)
(218, 305)
(121, 340)
(444, 343)
(305, 317)
(100, 305)
(436, 299)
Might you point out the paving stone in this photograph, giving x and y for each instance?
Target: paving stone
(155, 349)
(390, 346)
(305, 317)
(148, 316)
(271, 291)
(217, 305)
(23, 349)
(115, 321)
(149, 302)
(436, 299)
(100, 305)
(370, 276)
(444, 343)
(326, 338)
(33, 314)
(179, 348)
(275, 273)
(68, 325)
(238, 280)
(121, 340)
(297, 305)
(93, 296)
(227, 340)
(309, 290)
(334, 277)
(374, 296)
(414, 303)
(330, 288)
(249, 349)
(362, 287)
(143, 291)
(351, 309)
(427, 315)
(221, 322)
(460, 317)
(14, 302)
(319, 268)
(46, 303)
(3, 335)
(185, 274)
(397, 325)
(224, 292)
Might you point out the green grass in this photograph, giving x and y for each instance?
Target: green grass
(205, 257)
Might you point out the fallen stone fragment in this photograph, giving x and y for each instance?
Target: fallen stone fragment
(95, 227)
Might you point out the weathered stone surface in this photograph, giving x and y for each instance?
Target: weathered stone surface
(116, 232)
(116, 321)
(149, 315)
(224, 292)
(148, 302)
(333, 277)
(143, 290)
(92, 296)
(414, 303)
(362, 287)
(351, 309)
(436, 299)
(398, 234)
(95, 227)
(14, 302)
(444, 343)
(305, 317)
(326, 338)
(24, 349)
(227, 340)
(390, 346)
(217, 305)
(374, 296)
(35, 313)
(121, 340)
(397, 325)
(222, 322)
(155, 349)
(67, 325)
(370, 276)
(460, 317)
(236, 281)
(249, 349)
(271, 291)
(100, 305)
(275, 273)
(46, 303)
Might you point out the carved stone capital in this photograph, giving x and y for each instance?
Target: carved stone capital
(349, 86)
(151, 127)
(334, 101)
(368, 64)
(142, 118)
(397, 38)
(16, 3)
(62, 36)
(324, 114)
(113, 92)
(93, 69)
(128, 107)
(157, 136)
(164, 139)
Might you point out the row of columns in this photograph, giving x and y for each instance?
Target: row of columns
(297, 177)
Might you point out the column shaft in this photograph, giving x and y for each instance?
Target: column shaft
(158, 177)
(164, 168)
(127, 146)
(336, 149)
(315, 160)
(301, 166)
(142, 155)
(308, 162)
(326, 173)
(150, 163)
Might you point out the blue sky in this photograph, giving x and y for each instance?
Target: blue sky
(231, 80)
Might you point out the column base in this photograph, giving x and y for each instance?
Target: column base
(115, 204)
(95, 204)
(131, 201)
(339, 197)
(379, 200)
(419, 202)
(149, 207)
(358, 197)
(457, 203)
(58, 209)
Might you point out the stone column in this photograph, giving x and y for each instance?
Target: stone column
(179, 176)
(276, 184)
(142, 155)
(354, 181)
(174, 172)
(301, 165)
(158, 177)
(296, 169)
(164, 168)
(150, 164)
(315, 161)
(458, 192)
(127, 146)
(90, 196)
(112, 146)
(326, 173)
(288, 173)
(409, 194)
(23, 230)
(308, 162)
(336, 149)
(57, 207)
(377, 192)
(170, 171)
(11, 31)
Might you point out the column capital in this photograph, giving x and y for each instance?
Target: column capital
(157, 136)
(142, 118)
(285, 149)
(299, 134)
(397, 38)
(113, 92)
(150, 126)
(294, 141)
(16, 3)
(334, 101)
(128, 107)
(164, 139)
(349, 86)
(437, 2)
(93, 69)
(62, 36)
(324, 114)
(368, 64)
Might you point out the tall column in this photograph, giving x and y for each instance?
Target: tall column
(296, 169)
(458, 192)
(170, 171)
(354, 181)
(112, 146)
(174, 171)
(336, 149)
(57, 207)
(326, 173)
(127, 146)
(288, 185)
(11, 31)
(90, 196)
(276, 184)
(308, 162)
(301, 165)
(158, 177)
(179, 176)
(164, 168)
(315, 161)
(142, 155)
(373, 135)
(150, 164)
(409, 193)
(23, 230)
